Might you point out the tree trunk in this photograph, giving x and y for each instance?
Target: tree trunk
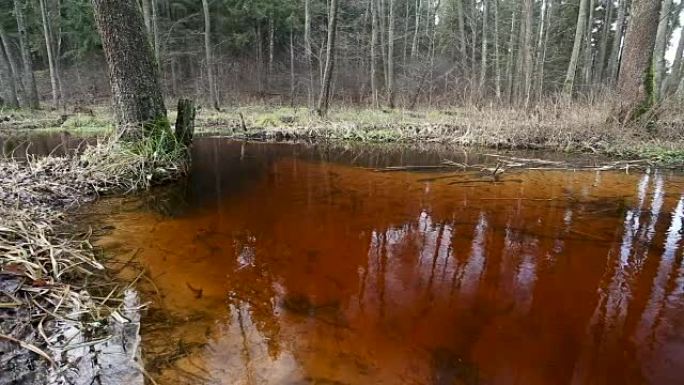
(7, 85)
(587, 67)
(541, 62)
(600, 66)
(292, 63)
(49, 46)
(155, 32)
(461, 34)
(271, 49)
(324, 99)
(577, 46)
(662, 39)
(510, 65)
(636, 83)
(616, 50)
(133, 73)
(308, 52)
(497, 57)
(29, 82)
(14, 71)
(414, 45)
(185, 121)
(483, 58)
(390, 56)
(208, 55)
(676, 72)
(473, 33)
(147, 17)
(373, 56)
(527, 53)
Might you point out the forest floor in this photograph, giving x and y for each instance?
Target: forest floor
(576, 129)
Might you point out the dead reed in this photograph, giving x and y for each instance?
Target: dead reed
(49, 273)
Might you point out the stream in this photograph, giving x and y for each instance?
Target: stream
(313, 264)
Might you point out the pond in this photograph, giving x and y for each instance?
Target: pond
(305, 264)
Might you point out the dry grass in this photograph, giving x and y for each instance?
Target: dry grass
(49, 272)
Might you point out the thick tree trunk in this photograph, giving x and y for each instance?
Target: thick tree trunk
(29, 82)
(324, 99)
(577, 46)
(208, 55)
(662, 37)
(616, 50)
(390, 56)
(636, 83)
(133, 73)
(50, 50)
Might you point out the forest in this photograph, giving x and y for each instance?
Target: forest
(387, 53)
(341, 192)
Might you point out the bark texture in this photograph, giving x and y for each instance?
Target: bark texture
(616, 51)
(660, 47)
(133, 72)
(636, 83)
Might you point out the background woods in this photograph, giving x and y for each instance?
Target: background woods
(403, 53)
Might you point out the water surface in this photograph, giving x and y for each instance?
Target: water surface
(296, 264)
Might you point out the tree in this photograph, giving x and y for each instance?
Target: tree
(577, 46)
(676, 72)
(662, 36)
(51, 52)
(133, 71)
(7, 82)
(390, 56)
(616, 51)
(636, 80)
(208, 57)
(29, 80)
(324, 98)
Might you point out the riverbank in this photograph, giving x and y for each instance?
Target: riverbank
(59, 312)
(567, 129)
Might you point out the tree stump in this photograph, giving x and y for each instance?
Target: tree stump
(185, 121)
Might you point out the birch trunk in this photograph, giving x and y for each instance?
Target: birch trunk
(511, 55)
(461, 33)
(414, 45)
(587, 67)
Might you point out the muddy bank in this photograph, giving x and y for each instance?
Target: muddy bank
(62, 320)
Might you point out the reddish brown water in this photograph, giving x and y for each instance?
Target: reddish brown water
(281, 264)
